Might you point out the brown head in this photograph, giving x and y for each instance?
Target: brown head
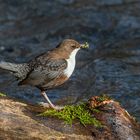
(68, 46)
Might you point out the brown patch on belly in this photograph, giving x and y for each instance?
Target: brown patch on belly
(56, 82)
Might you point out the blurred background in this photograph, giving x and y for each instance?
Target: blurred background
(110, 66)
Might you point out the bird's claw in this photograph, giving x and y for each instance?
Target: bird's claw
(58, 107)
(47, 105)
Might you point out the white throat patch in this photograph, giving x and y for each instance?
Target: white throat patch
(71, 63)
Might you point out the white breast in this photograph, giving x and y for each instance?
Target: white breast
(71, 63)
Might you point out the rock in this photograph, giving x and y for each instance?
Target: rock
(20, 121)
(117, 119)
(16, 123)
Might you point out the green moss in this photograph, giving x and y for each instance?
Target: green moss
(71, 113)
(103, 98)
(86, 45)
(96, 110)
(1, 94)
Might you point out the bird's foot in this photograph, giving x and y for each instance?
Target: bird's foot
(57, 107)
(47, 105)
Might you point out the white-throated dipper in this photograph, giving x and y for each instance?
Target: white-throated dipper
(49, 69)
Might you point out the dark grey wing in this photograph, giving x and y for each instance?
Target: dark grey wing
(45, 72)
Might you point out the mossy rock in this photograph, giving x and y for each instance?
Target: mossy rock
(2, 94)
(70, 113)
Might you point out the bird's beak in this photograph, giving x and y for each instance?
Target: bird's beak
(84, 46)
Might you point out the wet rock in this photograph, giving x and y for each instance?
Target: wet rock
(20, 121)
(16, 123)
(121, 124)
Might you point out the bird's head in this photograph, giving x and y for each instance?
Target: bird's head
(71, 46)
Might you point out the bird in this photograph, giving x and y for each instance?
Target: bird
(47, 70)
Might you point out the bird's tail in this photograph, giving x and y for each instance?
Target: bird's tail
(9, 66)
(19, 70)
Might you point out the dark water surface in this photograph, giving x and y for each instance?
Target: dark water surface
(111, 65)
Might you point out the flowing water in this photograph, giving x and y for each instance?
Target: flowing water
(110, 66)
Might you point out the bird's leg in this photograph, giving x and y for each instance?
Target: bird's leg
(50, 103)
(48, 100)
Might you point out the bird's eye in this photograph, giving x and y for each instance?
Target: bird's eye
(73, 47)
